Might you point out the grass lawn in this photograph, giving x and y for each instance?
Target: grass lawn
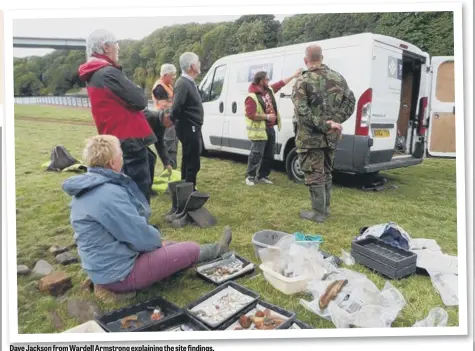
(424, 204)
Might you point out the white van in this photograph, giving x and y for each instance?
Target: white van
(396, 86)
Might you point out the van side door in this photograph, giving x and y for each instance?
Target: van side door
(213, 90)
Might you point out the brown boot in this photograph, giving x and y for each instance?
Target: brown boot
(318, 198)
(108, 296)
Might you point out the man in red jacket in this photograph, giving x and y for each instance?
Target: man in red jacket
(117, 106)
(262, 151)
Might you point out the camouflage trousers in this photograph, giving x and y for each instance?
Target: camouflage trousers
(317, 165)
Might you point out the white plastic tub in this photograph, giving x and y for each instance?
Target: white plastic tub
(288, 286)
(88, 327)
(265, 239)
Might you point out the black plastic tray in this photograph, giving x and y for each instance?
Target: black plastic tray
(111, 321)
(231, 284)
(243, 260)
(290, 315)
(182, 318)
(384, 269)
(301, 324)
(384, 253)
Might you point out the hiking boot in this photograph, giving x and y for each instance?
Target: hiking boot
(265, 180)
(210, 252)
(328, 196)
(317, 197)
(250, 182)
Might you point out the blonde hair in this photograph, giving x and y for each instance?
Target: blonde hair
(100, 150)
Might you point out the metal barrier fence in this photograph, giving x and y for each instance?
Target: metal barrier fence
(72, 101)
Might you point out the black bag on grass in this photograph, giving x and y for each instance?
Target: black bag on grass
(61, 159)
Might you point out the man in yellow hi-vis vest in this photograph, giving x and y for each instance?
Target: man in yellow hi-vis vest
(261, 117)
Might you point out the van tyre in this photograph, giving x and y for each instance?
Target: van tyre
(292, 166)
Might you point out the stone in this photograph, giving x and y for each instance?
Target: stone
(83, 310)
(42, 268)
(108, 296)
(55, 284)
(22, 270)
(56, 320)
(56, 250)
(66, 258)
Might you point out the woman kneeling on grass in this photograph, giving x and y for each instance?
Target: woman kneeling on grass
(119, 250)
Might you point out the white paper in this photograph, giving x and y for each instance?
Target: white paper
(447, 286)
(425, 244)
(437, 262)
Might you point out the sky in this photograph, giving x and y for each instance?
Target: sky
(124, 28)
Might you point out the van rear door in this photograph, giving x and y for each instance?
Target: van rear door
(441, 134)
(386, 81)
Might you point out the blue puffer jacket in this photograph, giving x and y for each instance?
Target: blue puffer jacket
(109, 215)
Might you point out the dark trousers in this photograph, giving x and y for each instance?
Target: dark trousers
(171, 144)
(261, 156)
(140, 166)
(190, 138)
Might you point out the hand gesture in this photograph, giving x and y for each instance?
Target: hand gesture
(169, 169)
(272, 118)
(166, 121)
(335, 127)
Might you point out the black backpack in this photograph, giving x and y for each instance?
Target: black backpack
(61, 159)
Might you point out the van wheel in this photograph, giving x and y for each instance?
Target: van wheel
(292, 166)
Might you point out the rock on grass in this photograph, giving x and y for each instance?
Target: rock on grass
(42, 268)
(55, 284)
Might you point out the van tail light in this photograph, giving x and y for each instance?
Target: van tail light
(421, 125)
(363, 113)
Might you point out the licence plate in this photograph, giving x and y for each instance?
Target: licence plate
(381, 133)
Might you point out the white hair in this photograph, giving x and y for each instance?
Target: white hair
(187, 59)
(167, 68)
(96, 41)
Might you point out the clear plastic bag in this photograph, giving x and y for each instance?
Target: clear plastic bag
(437, 317)
(360, 303)
(347, 258)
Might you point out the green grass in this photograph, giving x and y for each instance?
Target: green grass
(424, 204)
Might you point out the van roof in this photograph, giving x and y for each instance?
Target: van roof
(329, 43)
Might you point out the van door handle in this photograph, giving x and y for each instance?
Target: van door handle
(234, 107)
(221, 107)
(453, 111)
(282, 95)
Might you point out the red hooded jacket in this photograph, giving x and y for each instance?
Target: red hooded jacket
(117, 104)
(269, 108)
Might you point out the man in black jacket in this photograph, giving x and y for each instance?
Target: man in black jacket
(187, 116)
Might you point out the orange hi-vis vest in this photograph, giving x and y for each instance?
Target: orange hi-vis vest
(163, 104)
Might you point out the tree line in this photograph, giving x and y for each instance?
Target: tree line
(56, 73)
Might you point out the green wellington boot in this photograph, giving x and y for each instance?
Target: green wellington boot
(318, 199)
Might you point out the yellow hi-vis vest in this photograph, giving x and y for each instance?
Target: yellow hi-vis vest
(161, 105)
(256, 130)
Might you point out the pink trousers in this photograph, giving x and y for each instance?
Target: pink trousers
(152, 267)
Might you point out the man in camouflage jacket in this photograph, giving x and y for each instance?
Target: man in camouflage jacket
(323, 101)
